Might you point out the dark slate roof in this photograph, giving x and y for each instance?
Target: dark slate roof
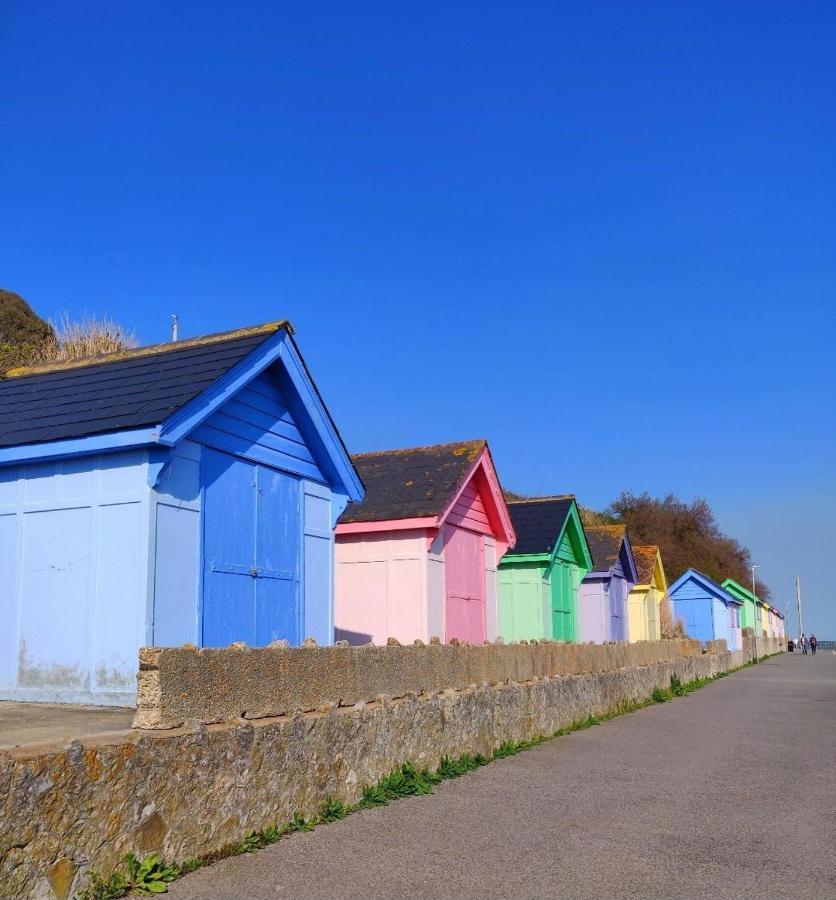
(414, 483)
(131, 389)
(538, 522)
(604, 545)
(645, 558)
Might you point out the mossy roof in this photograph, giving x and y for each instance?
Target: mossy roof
(411, 483)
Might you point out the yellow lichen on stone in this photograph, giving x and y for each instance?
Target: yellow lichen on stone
(61, 876)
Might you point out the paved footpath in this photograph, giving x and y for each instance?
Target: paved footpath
(729, 792)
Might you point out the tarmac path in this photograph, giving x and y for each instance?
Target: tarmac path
(729, 792)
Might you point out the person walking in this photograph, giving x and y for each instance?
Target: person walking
(813, 643)
(803, 641)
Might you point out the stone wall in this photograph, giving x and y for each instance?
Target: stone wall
(189, 791)
(184, 684)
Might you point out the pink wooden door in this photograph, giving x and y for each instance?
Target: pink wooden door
(464, 573)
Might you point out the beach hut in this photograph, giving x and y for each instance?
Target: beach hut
(539, 580)
(775, 621)
(764, 608)
(779, 623)
(185, 492)
(708, 611)
(645, 598)
(604, 590)
(750, 610)
(417, 558)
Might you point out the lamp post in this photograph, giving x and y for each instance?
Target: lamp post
(754, 618)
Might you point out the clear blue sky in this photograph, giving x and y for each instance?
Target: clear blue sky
(601, 235)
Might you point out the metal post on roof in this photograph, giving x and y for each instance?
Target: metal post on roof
(175, 328)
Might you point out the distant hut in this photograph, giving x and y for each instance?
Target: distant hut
(645, 599)
(708, 611)
(751, 605)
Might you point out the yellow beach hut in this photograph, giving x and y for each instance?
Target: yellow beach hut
(645, 599)
(763, 613)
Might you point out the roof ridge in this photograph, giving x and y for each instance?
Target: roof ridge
(476, 442)
(150, 350)
(541, 499)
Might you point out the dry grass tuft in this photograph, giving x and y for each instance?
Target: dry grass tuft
(671, 629)
(81, 339)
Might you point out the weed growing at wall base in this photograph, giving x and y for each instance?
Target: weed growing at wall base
(151, 876)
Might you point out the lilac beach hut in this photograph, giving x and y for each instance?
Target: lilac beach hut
(604, 590)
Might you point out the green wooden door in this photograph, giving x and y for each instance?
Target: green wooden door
(563, 606)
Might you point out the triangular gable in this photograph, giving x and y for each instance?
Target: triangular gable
(258, 424)
(707, 584)
(736, 589)
(573, 530)
(659, 576)
(303, 401)
(628, 562)
(647, 559)
(609, 546)
(480, 501)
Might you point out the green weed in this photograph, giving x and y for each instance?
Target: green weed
(190, 864)
(373, 795)
(332, 810)
(252, 841)
(138, 876)
(298, 823)
(149, 875)
(99, 888)
(453, 768)
(508, 748)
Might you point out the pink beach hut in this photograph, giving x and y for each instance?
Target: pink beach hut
(417, 557)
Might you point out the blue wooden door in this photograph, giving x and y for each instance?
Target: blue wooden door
(703, 614)
(251, 540)
(277, 541)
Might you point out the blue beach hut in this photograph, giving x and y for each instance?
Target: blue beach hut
(185, 492)
(707, 610)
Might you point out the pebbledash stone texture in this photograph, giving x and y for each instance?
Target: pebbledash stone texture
(189, 791)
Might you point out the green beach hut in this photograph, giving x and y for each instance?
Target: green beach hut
(748, 599)
(539, 580)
